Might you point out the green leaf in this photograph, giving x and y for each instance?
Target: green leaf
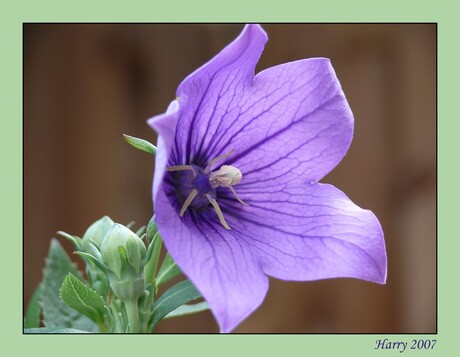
(152, 229)
(140, 231)
(188, 309)
(148, 255)
(32, 318)
(55, 312)
(77, 241)
(141, 144)
(82, 298)
(176, 296)
(95, 251)
(53, 330)
(168, 271)
(95, 260)
(130, 224)
(151, 263)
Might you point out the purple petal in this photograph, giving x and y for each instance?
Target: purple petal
(288, 127)
(223, 269)
(239, 57)
(220, 81)
(165, 125)
(291, 120)
(298, 128)
(304, 233)
(310, 232)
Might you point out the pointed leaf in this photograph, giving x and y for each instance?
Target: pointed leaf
(174, 297)
(32, 318)
(151, 265)
(141, 144)
(95, 251)
(140, 231)
(55, 312)
(82, 298)
(93, 243)
(148, 255)
(96, 261)
(77, 241)
(188, 309)
(168, 271)
(152, 229)
(53, 330)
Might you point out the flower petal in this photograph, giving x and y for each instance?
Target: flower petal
(223, 269)
(165, 124)
(291, 120)
(310, 232)
(296, 129)
(218, 81)
(287, 127)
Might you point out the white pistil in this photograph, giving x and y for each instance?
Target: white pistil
(226, 176)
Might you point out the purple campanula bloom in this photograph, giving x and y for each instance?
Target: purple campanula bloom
(236, 189)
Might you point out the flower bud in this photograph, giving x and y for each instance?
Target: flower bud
(96, 232)
(123, 251)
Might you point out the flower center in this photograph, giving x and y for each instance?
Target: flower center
(196, 187)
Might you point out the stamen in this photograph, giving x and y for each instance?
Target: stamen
(207, 170)
(206, 183)
(181, 168)
(236, 196)
(188, 201)
(218, 211)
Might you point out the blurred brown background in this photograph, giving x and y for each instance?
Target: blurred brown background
(87, 84)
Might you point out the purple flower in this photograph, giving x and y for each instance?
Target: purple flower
(236, 189)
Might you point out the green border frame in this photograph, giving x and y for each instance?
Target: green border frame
(16, 13)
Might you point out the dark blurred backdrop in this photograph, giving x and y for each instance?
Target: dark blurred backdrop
(87, 84)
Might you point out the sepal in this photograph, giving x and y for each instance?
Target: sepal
(95, 260)
(76, 241)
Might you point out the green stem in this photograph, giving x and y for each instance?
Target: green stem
(117, 325)
(132, 311)
(102, 327)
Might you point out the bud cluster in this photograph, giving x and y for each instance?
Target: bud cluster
(116, 257)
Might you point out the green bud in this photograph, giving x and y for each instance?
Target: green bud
(123, 251)
(96, 233)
